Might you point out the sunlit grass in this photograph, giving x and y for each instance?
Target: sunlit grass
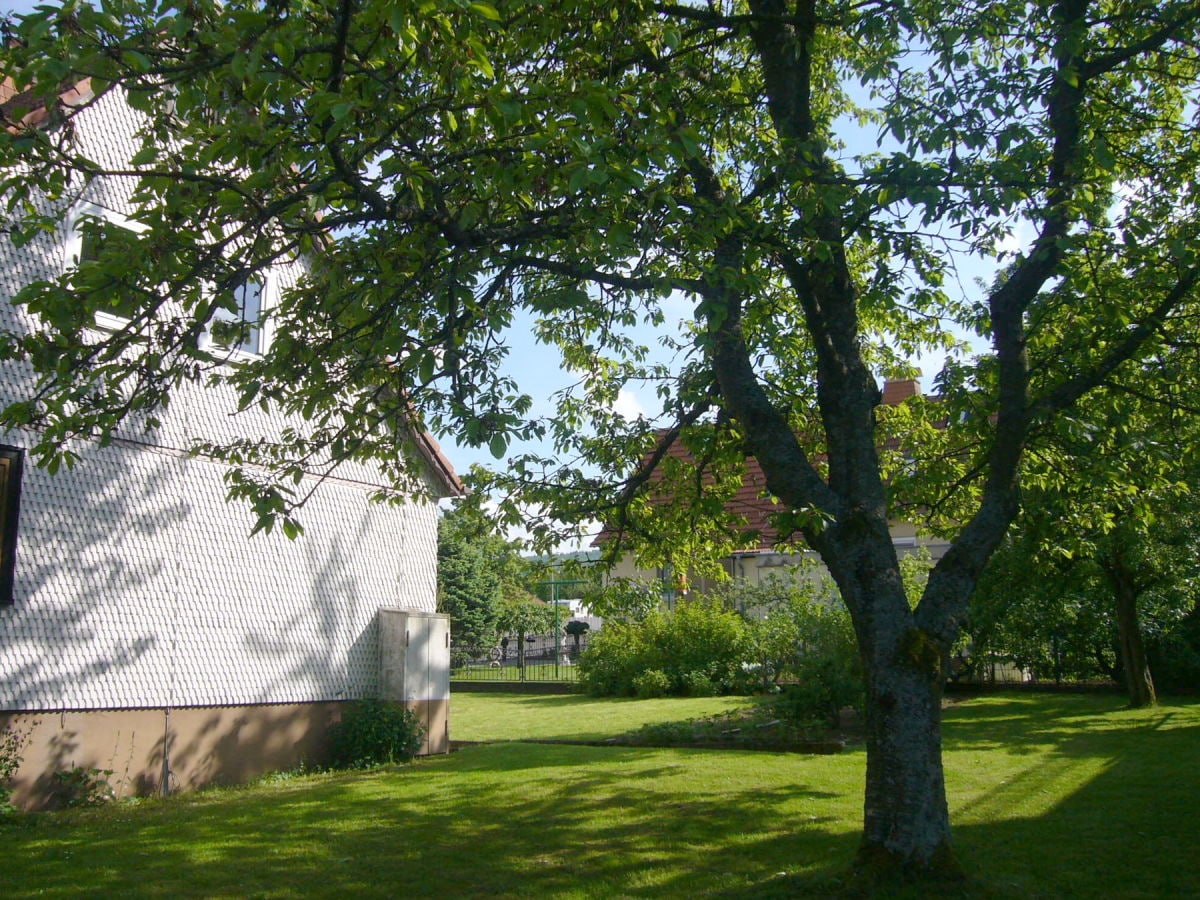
(500, 717)
(1052, 797)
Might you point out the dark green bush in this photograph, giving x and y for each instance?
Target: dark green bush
(697, 684)
(650, 684)
(82, 787)
(375, 732)
(618, 652)
(825, 671)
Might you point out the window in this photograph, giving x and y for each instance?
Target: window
(11, 464)
(240, 329)
(93, 228)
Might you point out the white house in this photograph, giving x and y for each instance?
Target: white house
(142, 630)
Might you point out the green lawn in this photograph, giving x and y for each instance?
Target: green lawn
(1057, 796)
(515, 717)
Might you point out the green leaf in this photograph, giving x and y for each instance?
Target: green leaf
(486, 10)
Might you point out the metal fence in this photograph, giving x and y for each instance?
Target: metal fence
(544, 660)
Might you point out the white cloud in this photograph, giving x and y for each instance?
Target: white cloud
(628, 405)
(1016, 239)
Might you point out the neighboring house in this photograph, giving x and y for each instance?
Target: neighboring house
(142, 630)
(762, 556)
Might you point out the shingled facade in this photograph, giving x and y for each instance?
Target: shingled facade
(142, 630)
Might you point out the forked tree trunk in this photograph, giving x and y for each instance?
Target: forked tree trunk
(906, 820)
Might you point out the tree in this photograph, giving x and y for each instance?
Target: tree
(522, 615)
(478, 570)
(577, 628)
(1106, 539)
(454, 166)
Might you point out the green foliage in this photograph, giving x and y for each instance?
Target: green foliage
(1124, 517)
(521, 614)
(623, 599)
(1175, 655)
(699, 648)
(617, 654)
(801, 635)
(650, 684)
(810, 644)
(482, 581)
(83, 787)
(12, 741)
(373, 733)
(458, 173)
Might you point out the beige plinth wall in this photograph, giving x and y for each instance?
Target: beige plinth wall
(414, 668)
(150, 751)
(182, 749)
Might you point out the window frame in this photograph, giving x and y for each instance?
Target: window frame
(211, 345)
(13, 467)
(85, 209)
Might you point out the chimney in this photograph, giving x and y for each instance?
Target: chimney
(896, 392)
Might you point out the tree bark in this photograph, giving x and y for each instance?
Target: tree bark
(906, 823)
(1138, 681)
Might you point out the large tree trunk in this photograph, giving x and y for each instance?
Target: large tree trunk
(1138, 681)
(906, 822)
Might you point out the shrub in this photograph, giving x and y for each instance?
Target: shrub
(697, 684)
(375, 732)
(825, 666)
(81, 786)
(11, 743)
(617, 653)
(652, 683)
(700, 648)
(704, 640)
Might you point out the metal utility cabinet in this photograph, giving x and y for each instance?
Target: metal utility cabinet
(414, 669)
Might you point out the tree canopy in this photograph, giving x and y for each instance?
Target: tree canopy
(807, 177)
(1104, 554)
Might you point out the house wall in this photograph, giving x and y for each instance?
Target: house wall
(143, 608)
(757, 566)
(149, 751)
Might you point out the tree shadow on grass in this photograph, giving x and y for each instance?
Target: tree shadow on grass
(1126, 831)
(1027, 721)
(1104, 812)
(571, 821)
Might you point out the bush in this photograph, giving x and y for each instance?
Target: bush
(11, 743)
(375, 732)
(81, 787)
(617, 653)
(697, 684)
(653, 683)
(700, 648)
(825, 666)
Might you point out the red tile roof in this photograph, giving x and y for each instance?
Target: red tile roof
(751, 501)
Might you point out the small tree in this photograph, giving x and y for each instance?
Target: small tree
(477, 570)
(521, 614)
(577, 628)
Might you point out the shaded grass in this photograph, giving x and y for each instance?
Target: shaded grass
(1053, 797)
